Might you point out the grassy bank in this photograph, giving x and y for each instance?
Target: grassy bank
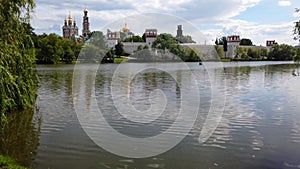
(225, 60)
(9, 163)
(120, 60)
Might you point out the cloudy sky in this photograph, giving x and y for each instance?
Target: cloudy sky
(259, 20)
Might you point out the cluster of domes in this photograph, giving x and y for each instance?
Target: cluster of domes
(70, 29)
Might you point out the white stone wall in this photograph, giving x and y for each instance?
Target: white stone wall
(111, 43)
(231, 48)
(207, 51)
(130, 47)
(149, 41)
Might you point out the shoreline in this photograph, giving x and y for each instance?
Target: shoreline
(129, 60)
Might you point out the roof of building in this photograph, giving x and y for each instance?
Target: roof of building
(126, 28)
(76, 37)
(233, 38)
(87, 41)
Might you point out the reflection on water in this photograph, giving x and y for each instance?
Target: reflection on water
(20, 136)
(138, 91)
(260, 127)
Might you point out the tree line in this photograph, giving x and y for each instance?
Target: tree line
(282, 52)
(54, 49)
(167, 41)
(164, 41)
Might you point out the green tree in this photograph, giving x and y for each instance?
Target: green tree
(225, 46)
(264, 52)
(249, 52)
(146, 47)
(164, 41)
(256, 53)
(246, 42)
(97, 39)
(50, 49)
(186, 39)
(178, 50)
(167, 41)
(127, 40)
(140, 47)
(222, 40)
(191, 55)
(253, 53)
(90, 54)
(296, 30)
(18, 77)
(136, 38)
(238, 52)
(76, 47)
(282, 52)
(217, 41)
(109, 56)
(219, 51)
(119, 50)
(244, 55)
(297, 62)
(144, 37)
(297, 56)
(68, 55)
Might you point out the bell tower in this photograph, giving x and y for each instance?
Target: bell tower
(85, 25)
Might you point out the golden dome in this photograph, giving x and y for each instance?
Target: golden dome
(70, 17)
(85, 10)
(126, 29)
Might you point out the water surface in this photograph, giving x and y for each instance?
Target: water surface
(260, 126)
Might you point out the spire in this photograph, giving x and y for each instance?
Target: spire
(74, 22)
(70, 18)
(65, 21)
(85, 11)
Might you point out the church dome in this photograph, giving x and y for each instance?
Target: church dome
(85, 11)
(126, 29)
(70, 18)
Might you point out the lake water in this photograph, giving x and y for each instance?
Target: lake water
(259, 123)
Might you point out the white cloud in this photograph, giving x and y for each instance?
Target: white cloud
(296, 14)
(50, 13)
(284, 3)
(213, 16)
(258, 33)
